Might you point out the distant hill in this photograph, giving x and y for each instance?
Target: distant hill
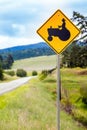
(26, 51)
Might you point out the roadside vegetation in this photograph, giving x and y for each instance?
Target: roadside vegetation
(73, 88)
(27, 108)
(8, 75)
(33, 107)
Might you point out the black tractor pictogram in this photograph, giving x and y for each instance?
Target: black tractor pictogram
(61, 32)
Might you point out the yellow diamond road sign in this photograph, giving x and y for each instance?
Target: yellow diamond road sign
(58, 31)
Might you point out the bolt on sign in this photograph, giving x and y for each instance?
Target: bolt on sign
(58, 31)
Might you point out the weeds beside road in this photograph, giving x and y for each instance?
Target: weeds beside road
(32, 107)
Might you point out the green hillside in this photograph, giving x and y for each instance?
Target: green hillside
(37, 63)
(27, 51)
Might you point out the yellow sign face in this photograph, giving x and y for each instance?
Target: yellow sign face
(58, 31)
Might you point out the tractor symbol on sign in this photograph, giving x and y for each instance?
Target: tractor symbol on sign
(61, 32)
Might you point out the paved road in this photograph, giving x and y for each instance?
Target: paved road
(5, 87)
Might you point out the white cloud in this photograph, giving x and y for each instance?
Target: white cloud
(6, 41)
(21, 30)
(19, 20)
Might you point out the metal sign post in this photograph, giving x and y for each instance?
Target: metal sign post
(58, 91)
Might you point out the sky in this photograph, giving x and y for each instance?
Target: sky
(20, 19)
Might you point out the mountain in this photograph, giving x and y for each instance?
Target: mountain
(23, 47)
(27, 51)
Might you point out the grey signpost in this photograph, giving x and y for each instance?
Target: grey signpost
(58, 91)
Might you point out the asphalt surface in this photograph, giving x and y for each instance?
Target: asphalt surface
(9, 86)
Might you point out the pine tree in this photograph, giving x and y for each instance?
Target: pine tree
(81, 23)
(76, 54)
(1, 58)
(1, 73)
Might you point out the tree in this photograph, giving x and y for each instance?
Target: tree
(1, 73)
(8, 61)
(1, 58)
(83, 57)
(81, 23)
(21, 73)
(76, 54)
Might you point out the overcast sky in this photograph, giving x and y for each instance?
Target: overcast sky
(19, 19)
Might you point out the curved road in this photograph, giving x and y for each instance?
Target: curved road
(5, 87)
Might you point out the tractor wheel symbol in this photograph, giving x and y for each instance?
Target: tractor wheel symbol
(50, 38)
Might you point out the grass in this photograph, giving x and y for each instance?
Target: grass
(32, 107)
(67, 123)
(8, 78)
(37, 63)
(71, 82)
(27, 108)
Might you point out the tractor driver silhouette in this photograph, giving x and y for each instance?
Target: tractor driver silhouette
(61, 32)
(63, 25)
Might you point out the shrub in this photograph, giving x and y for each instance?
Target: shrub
(66, 103)
(11, 73)
(21, 73)
(43, 74)
(83, 92)
(1, 74)
(34, 73)
(80, 116)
